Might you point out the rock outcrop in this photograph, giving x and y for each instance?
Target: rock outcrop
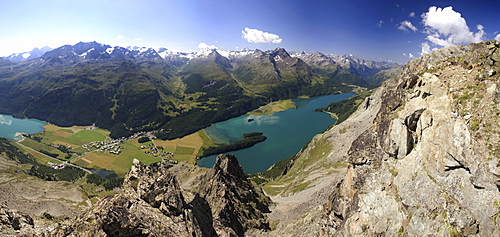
(429, 163)
(152, 203)
(12, 222)
(236, 204)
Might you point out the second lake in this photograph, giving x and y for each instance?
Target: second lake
(287, 132)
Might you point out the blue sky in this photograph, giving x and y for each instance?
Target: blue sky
(377, 30)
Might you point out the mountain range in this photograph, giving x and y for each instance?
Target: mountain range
(137, 88)
(420, 156)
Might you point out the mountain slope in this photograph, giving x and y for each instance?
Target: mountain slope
(134, 89)
(419, 157)
(381, 76)
(60, 95)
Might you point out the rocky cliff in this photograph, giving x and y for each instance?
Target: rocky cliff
(152, 203)
(428, 165)
(419, 157)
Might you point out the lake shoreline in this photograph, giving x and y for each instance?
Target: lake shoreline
(12, 128)
(287, 132)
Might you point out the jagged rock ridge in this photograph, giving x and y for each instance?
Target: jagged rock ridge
(152, 203)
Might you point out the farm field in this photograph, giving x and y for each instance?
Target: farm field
(186, 148)
(83, 144)
(120, 163)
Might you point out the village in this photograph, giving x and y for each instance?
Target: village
(115, 146)
(155, 151)
(111, 146)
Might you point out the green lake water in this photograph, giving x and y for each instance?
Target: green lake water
(9, 126)
(287, 132)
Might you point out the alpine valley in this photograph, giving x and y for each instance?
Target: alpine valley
(133, 89)
(416, 155)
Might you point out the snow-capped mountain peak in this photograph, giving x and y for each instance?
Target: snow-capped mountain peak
(24, 56)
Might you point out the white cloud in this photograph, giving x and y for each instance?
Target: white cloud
(410, 55)
(497, 37)
(406, 26)
(426, 48)
(137, 39)
(379, 24)
(258, 36)
(412, 14)
(446, 27)
(120, 37)
(206, 46)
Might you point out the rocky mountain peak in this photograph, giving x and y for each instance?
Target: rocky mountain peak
(228, 165)
(150, 195)
(152, 203)
(317, 59)
(236, 204)
(280, 52)
(35, 53)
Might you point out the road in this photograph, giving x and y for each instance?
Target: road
(63, 161)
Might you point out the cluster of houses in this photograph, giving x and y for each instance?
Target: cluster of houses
(112, 146)
(56, 166)
(91, 127)
(142, 134)
(155, 151)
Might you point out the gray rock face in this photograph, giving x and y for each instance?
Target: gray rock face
(429, 164)
(12, 221)
(152, 203)
(236, 204)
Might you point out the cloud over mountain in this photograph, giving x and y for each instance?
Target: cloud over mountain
(426, 48)
(446, 27)
(258, 36)
(203, 45)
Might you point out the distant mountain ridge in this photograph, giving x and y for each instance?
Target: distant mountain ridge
(35, 53)
(138, 88)
(361, 67)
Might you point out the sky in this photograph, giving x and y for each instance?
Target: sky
(374, 30)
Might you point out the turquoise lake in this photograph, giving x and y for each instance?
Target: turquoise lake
(9, 126)
(287, 132)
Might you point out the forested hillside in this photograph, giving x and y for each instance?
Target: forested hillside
(128, 90)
